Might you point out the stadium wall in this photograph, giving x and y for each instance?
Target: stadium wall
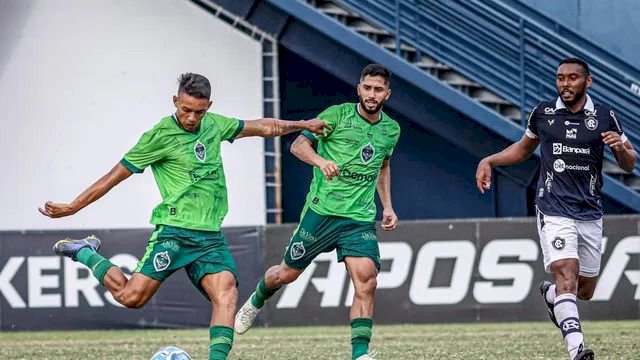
(432, 271)
(609, 24)
(81, 80)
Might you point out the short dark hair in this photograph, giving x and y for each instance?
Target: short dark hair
(376, 70)
(195, 85)
(573, 60)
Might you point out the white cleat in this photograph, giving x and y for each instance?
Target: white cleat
(245, 317)
(369, 356)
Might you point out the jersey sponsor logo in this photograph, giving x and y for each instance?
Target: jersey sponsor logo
(551, 121)
(571, 133)
(559, 149)
(367, 152)
(307, 235)
(558, 243)
(161, 261)
(567, 123)
(352, 175)
(560, 166)
(549, 111)
(200, 150)
(297, 250)
(368, 235)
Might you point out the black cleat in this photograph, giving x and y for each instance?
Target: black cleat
(69, 247)
(586, 354)
(544, 287)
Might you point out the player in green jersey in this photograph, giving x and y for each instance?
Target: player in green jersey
(350, 163)
(183, 150)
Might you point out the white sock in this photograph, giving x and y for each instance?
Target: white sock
(566, 312)
(551, 294)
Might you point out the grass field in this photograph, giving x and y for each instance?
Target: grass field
(619, 340)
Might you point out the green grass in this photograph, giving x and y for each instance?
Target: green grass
(615, 340)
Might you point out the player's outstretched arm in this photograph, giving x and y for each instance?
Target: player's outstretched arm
(513, 154)
(275, 127)
(389, 217)
(303, 149)
(91, 194)
(625, 155)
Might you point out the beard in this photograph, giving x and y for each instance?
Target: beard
(577, 96)
(364, 107)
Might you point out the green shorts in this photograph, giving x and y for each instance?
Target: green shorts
(319, 233)
(198, 252)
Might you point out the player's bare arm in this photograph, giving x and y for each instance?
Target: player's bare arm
(514, 154)
(389, 217)
(303, 149)
(91, 194)
(624, 152)
(269, 127)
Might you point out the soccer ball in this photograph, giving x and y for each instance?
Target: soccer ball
(171, 353)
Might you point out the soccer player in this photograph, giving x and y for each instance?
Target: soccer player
(350, 163)
(572, 131)
(183, 151)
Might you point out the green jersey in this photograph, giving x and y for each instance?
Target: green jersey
(188, 170)
(358, 147)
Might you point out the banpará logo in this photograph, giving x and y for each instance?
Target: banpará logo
(559, 149)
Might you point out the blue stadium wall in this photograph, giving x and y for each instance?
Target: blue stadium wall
(609, 24)
(431, 178)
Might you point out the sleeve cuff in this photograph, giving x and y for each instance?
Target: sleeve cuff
(134, 169)
(530, 134)
(309, 135)
(624, 138)
(238, 130)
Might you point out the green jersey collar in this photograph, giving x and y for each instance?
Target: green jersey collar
(358, 108)
(174, 116)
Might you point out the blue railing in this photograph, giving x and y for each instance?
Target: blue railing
(513, 51)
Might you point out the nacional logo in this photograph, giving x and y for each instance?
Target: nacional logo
(200, 150)
(559, 166)
(297, 250)
(161, 261)
(367, 152)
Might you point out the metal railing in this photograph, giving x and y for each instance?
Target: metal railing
(510, 49)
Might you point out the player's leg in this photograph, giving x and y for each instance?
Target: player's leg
(132, 293)
(559, 241)
(590, 254)
(213, 271)
(223, 292)
(315, 234)
(358, 248)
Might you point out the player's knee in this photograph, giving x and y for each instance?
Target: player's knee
(585, 294)
(366, 287)
(226, 297)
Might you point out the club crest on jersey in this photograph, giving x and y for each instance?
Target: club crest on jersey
(367, 152)
(200, 150)
(161, 261)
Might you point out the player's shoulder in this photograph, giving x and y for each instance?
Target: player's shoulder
(390, 122)
(166, 123)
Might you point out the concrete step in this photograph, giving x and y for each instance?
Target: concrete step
(485, 96)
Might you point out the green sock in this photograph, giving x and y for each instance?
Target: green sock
(221, 342)
(360, 336)
(94, 261)
(261, 294)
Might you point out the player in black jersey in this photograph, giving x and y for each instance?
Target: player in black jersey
(572, 131)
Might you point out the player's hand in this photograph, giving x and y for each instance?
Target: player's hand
(317, 126)
(613, 139)
(389, 219)
(57, 210)
(329, 169)
(483, 175)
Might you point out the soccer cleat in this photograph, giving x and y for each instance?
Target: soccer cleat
(369, 356)
(245, 316)
(69, 247)
(586, 354)
(544, 287)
